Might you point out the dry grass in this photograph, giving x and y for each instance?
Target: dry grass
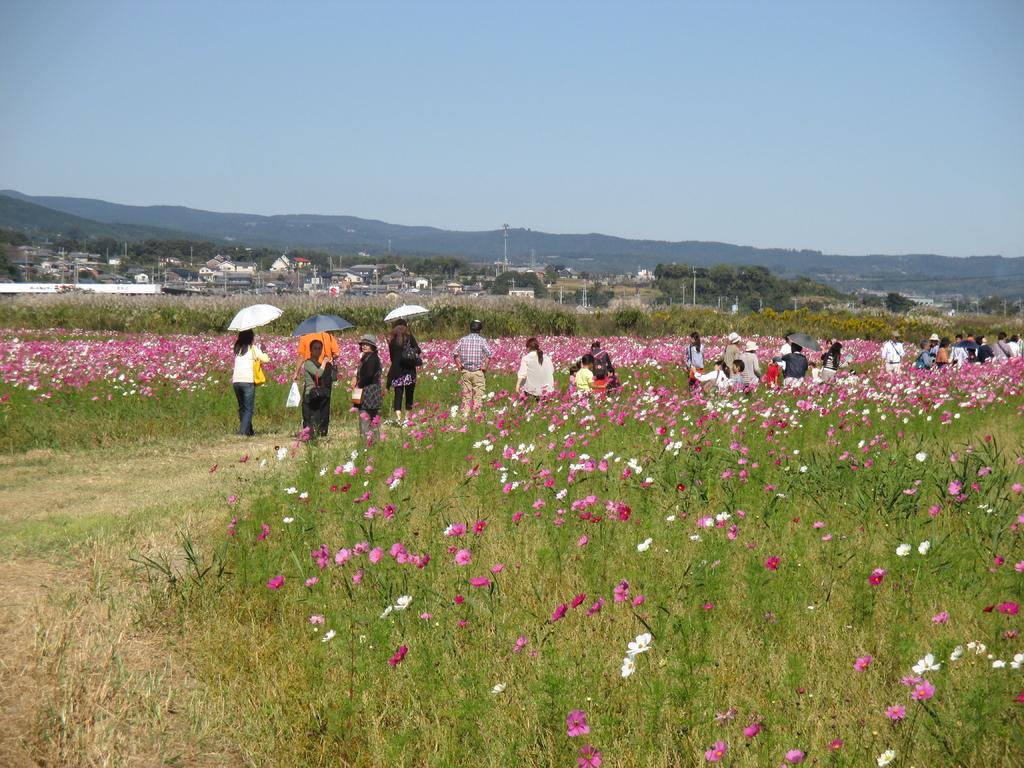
(81, 682)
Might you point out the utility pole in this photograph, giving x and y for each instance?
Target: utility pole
(506, 246)
(694, 286)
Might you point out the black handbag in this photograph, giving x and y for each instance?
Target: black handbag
(411, 356)
(320, 391)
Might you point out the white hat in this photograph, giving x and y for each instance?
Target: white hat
(751, 346)
(734, 337)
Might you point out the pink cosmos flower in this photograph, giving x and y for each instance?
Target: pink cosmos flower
(497, 568)
(621, 591)
(395, 660)
(922, 691)
(576, 601)
(862, 663)
(521, 642)
(463, 557)
(275, 582)
(877, 576)
(752, 730)
(582, 541)
(316, 618)
(479, 581)
(312, 581)
(576, 722)
(896, 712)
(717, 752)
(375, 555)
(559, 612)
(264, 532)
(590, 757)
(794, 757)
(955, 486)
(639, 600)
(596, 607)
(835, 745)
(940, 618)
(1010, 608)
(772, 563)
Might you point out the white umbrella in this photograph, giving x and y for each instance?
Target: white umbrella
(254, 317)
(406, 311)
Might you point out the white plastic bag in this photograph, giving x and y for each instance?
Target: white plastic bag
(293, 397)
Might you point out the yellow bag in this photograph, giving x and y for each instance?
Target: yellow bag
(258, 376)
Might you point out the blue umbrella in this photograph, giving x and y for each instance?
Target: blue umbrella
(322, 324)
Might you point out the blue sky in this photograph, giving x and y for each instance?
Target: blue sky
(869, 127)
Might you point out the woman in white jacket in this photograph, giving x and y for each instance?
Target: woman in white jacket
(536, 375)
(242, 381)
(719, 376)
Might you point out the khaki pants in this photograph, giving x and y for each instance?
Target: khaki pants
(472, 385)
(892, 368)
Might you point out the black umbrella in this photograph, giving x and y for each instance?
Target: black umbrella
(321, 324)
(967, 344)
(805, 341)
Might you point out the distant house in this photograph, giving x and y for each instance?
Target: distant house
(281, 264)
(181, 275)
(420, 283)
(138, 276)
(453, 287)
(521, 293)
(206, 272)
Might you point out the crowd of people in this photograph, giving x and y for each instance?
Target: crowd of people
(740, 367)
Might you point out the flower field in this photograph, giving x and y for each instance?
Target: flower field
(830, 575)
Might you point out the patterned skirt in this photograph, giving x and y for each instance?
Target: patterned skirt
(404, 380)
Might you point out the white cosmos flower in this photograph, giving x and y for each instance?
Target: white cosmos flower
(628, 667)
(499, 688)
(886, 757)
(328, 635)
(921, 456)
(288, 520)
(927, 664)
(281, 453)
(641, 644)
(670, 519)
(1018, 661)
(644, 545)
(291, 490)
(957, 653)
(903, 550)
(694, 537)
(998, 664)
(978, 648)
(923, 547)
(403, 602)
(387, 611)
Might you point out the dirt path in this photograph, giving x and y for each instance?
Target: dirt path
(80, 683)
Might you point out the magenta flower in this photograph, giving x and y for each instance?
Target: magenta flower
(479, 581)
(940, 618)
(896, 712)
(717, 752)
(559, 612)
(590, 757)
(576, 601)
(877, 576)
(862, 663)
(275, 582)
(923, 691)
(596, 607)
(751, 730)
(395, 660)
(463, 557)
(576, 722)
(794, 757)
(772, 563)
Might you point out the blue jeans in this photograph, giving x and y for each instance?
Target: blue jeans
(246, 395)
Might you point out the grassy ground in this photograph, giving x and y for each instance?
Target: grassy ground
(139, 631)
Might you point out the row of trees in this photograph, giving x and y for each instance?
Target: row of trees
(754, 288)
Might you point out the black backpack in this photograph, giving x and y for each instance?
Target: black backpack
(410, 357)
(601, 366)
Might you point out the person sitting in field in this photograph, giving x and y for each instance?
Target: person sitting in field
(604, 371)
(830, 361)
(772, 374)
(719, 376)
(737, 379)
(814, 368)
(584, 379)
(795, 365)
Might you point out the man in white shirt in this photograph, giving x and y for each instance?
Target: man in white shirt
(892, 353)
(1014, 343)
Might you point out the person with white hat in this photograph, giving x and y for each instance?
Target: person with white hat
(732, 351)
(751, 365)
(367, 392)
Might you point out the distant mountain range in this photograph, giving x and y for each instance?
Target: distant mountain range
(926, 274)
